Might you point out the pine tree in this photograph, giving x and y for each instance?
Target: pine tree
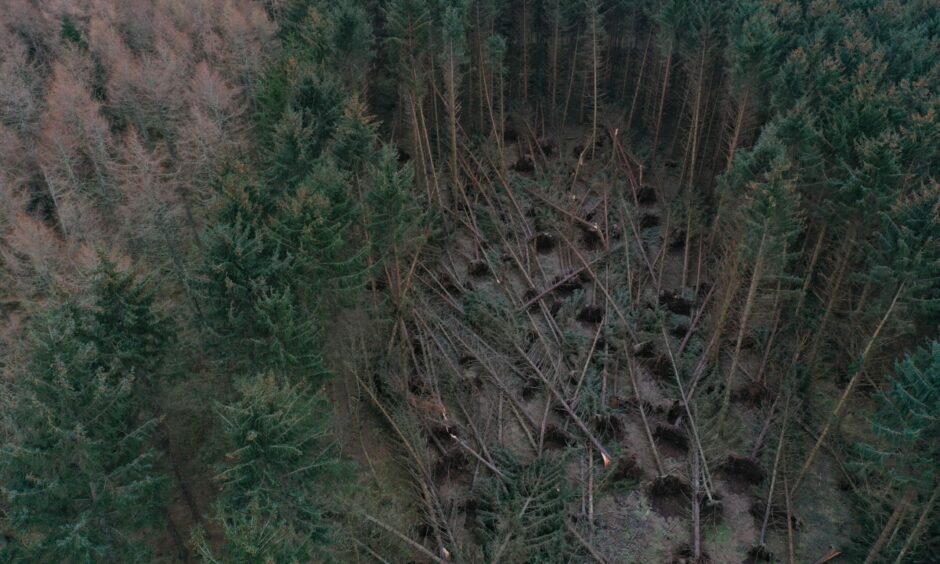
(281, 478)
(79, 476)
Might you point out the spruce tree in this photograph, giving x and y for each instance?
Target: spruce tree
(281, 477)
(79, 476)
(522, 512)
(904, 458)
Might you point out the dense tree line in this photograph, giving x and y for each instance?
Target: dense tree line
(548, 253)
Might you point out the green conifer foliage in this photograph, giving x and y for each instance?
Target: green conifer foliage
(906, 255)
(315, 226)
(281, 476)
(79, 476)
(300, 129)
(395, 216)
(355, 143)
(522, 517)
(905, 457)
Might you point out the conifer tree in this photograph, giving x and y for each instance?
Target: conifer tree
(906, 268)
(453, 41)
(753, 48)
(396, 222)
(314, 226)
(904, 460)
(79, 475)
(770, 222)
(254, 282)
(281, 477)
(522, 513)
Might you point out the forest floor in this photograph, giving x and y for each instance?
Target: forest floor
(541, 260)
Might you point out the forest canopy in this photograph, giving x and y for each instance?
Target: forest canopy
(469, 281)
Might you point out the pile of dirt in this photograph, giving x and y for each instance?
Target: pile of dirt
(672, 440)
(674, 302)
(524, 165)
(556, 437)
(684, 555)
(478, 268)
(451, 465)
(778, 515)
(661, 367)
(649, 220)
(742, 469)
(544, 242)
(646, 195)
(591, 314)
(644, 350)
(669, 495)
(610, 426)
(759, 553)
(753, 393)
(626, 470)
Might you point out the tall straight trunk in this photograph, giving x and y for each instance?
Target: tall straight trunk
(452, 119)
(421, 165)
(497, 131)
(775, 316)
(834, 416)
(808, 277)
(687, 244)
(696, 511)
(729, 293)
(525, 52)
(696, 115)
(693, 144)
(574, 66)
(791, 546)
(594, 72)
(639, 82)
(745, 316)
(773, 476)
(646, 426)
(738, 124)
(662, 102)
(481, 70)
(553, 55)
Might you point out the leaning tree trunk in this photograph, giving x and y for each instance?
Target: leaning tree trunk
(886, 532)
(639, 81)
(834, 416)
(738, 125)
(919, 527)
(745, 316)
(841, 267)
(662, 103)
(452, 120)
